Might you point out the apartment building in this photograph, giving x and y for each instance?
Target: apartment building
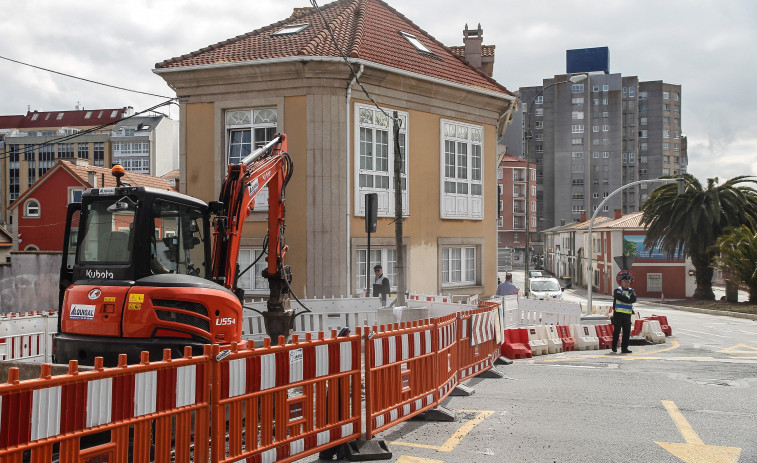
(514, 202)
(591, 137)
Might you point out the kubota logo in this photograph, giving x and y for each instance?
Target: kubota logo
(94, 294)
(97, 274)
(226, 321)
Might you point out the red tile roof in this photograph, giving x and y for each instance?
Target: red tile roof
(73, 118)
(364, 29)
(11, 122)
(81, 173)
(632, 220)
(131, 178)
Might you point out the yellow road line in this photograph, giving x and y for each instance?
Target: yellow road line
(688, 433)
(408, 459)
(457, 437)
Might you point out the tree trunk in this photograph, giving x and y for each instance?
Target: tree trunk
(703, 275)
(753, 294)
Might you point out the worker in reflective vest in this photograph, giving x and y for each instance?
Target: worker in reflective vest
(622, 307)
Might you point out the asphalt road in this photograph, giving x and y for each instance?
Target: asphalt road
(694, 396)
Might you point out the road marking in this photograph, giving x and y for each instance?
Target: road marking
(407, 459)
(673, 345)
(747, 332)
(735, 349)
(457, 437)
(704, 333)
(694, 450)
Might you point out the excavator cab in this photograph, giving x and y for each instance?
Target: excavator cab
(140, 278)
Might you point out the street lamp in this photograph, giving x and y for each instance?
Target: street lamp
(527, 135)
(590, 244)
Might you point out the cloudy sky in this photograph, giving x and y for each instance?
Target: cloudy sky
(707, 46)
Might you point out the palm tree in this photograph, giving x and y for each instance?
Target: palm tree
(690, 223)
(738, 257)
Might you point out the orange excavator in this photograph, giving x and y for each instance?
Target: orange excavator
(139, 271)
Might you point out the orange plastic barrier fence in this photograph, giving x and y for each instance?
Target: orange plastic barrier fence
(638, 326)
(515, 345)
(400, 361)
(604, 333)
(568, 343)
(126, 413)
(663, 324)
(281, 403)
(446, 358)
(477, 345)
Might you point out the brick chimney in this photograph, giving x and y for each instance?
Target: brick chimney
(473, 40)
(618, 214)
(583, 216)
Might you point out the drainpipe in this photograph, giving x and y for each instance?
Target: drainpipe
(349, 176)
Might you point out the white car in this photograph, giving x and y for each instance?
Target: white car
(545, 288)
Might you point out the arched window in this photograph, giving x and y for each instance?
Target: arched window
(31, 247)
(32, 208)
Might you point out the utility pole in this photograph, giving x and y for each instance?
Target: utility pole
(400, 265)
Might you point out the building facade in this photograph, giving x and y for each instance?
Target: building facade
(655, 275)
(591, 137)
(289, 77)
(517, 206)
(38, 216)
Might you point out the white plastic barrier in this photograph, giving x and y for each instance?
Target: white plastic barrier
(554, 343)
(337, 313)
(28, 336)
(538, 344)
(325, 315)
(653, 331)
(601, 309)
(585, 337)
(545, 312)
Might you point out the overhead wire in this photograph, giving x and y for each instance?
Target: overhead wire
(82, 78)
(28, 148)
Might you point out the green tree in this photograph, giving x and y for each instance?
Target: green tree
(690, 223)
(738, 257)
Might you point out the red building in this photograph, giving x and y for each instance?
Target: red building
(655, 275)
(513, 200)
(38, 216)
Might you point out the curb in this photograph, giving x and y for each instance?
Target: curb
(749, 316)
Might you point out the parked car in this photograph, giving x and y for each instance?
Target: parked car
(535, 274)
(545, 288)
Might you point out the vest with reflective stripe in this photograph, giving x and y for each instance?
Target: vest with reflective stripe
(620, 307)
(623, 307)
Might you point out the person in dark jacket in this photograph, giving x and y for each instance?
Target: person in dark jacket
(622, 307)
(381, 286)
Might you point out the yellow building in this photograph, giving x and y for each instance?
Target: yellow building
(290, 77)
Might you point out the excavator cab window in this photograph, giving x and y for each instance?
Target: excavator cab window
(177, 239)
(108, 233)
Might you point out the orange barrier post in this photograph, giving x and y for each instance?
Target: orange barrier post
(604, 333)
(285, 402)
(400, 361)
(67, 411)
(446, 370)
(515, 345)
(568, 343)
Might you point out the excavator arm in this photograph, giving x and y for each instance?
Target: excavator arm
(271, 166)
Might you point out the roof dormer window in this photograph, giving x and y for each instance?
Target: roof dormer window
(60, 116)
(290, 29)
(416, 43)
